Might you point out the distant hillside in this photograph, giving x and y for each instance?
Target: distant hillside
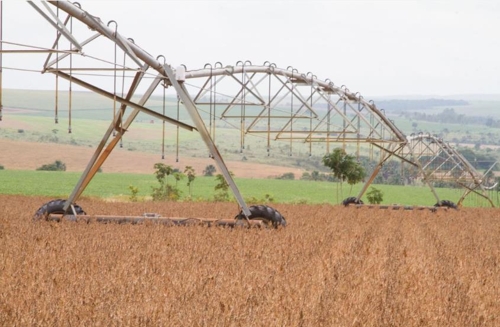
(397, 105)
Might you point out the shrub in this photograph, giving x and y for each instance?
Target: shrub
(165, 191)
(268, 198)
(57, 165)
(134, 190)
(287, 176)
(222, 188)
(2, 167)
(209, 170)
(375, 196)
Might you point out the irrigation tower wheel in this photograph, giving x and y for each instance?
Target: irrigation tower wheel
(447, 204)
(351, 200)
(268, 215)
(55, 207)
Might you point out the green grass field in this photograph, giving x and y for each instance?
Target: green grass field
(116, 186)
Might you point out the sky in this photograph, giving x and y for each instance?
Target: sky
(378, 48)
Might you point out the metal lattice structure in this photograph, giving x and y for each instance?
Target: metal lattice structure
(437, 160)
(279, 104)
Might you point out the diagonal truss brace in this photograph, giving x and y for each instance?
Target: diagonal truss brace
(205, 135)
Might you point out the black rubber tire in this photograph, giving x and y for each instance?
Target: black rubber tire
(351, 200)
(54, 207)
(265, 213)
(447, 204)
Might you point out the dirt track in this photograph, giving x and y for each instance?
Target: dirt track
(332, 266)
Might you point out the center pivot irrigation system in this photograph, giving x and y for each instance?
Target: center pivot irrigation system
(273, 103)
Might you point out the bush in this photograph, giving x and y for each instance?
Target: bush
(134, 190)
(287, 176)
(57, 165)
(165, 192)
(268, 198)
(209, 170)
(375, 196)
(2, 167)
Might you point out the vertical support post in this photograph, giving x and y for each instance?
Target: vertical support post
(163, 110)
(384, 157)
(163, 128)
(243, 109)
(114, 72)
(344, 124)
(358, 138)
(70, 95)
(177, 134)
(310, 117)
(56, 107)
(291, 113)
(215, 110)
(328, 122)
(269, 117)
(1, 57)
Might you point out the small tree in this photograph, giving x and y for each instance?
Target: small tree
(191, 175)
(178, 176)
(165, 191)
(209, 170)
(221, 188)
(375, 196)
(344, 167)
(162, 172)
(134, 190)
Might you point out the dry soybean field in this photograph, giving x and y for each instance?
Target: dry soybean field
(331, 266)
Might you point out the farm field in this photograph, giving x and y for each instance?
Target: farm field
(29, 117)
(115, 187)
(21, 155)
(331, 266)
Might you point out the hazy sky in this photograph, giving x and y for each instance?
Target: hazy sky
(378, 48)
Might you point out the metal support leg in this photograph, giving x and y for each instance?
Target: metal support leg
(100, 156)
(375, 172)
(205, 135)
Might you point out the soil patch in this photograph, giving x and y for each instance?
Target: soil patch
(30, 155)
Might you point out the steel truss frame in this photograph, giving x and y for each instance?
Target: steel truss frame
(264, 100)
(437, 160)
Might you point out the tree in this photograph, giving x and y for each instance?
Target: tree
(162, 172)
(165, 191)
(209, 170)
(344, 167)
(191, 175)
(221, 188)
(178, 176)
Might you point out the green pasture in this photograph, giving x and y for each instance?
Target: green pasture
(116, 186)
